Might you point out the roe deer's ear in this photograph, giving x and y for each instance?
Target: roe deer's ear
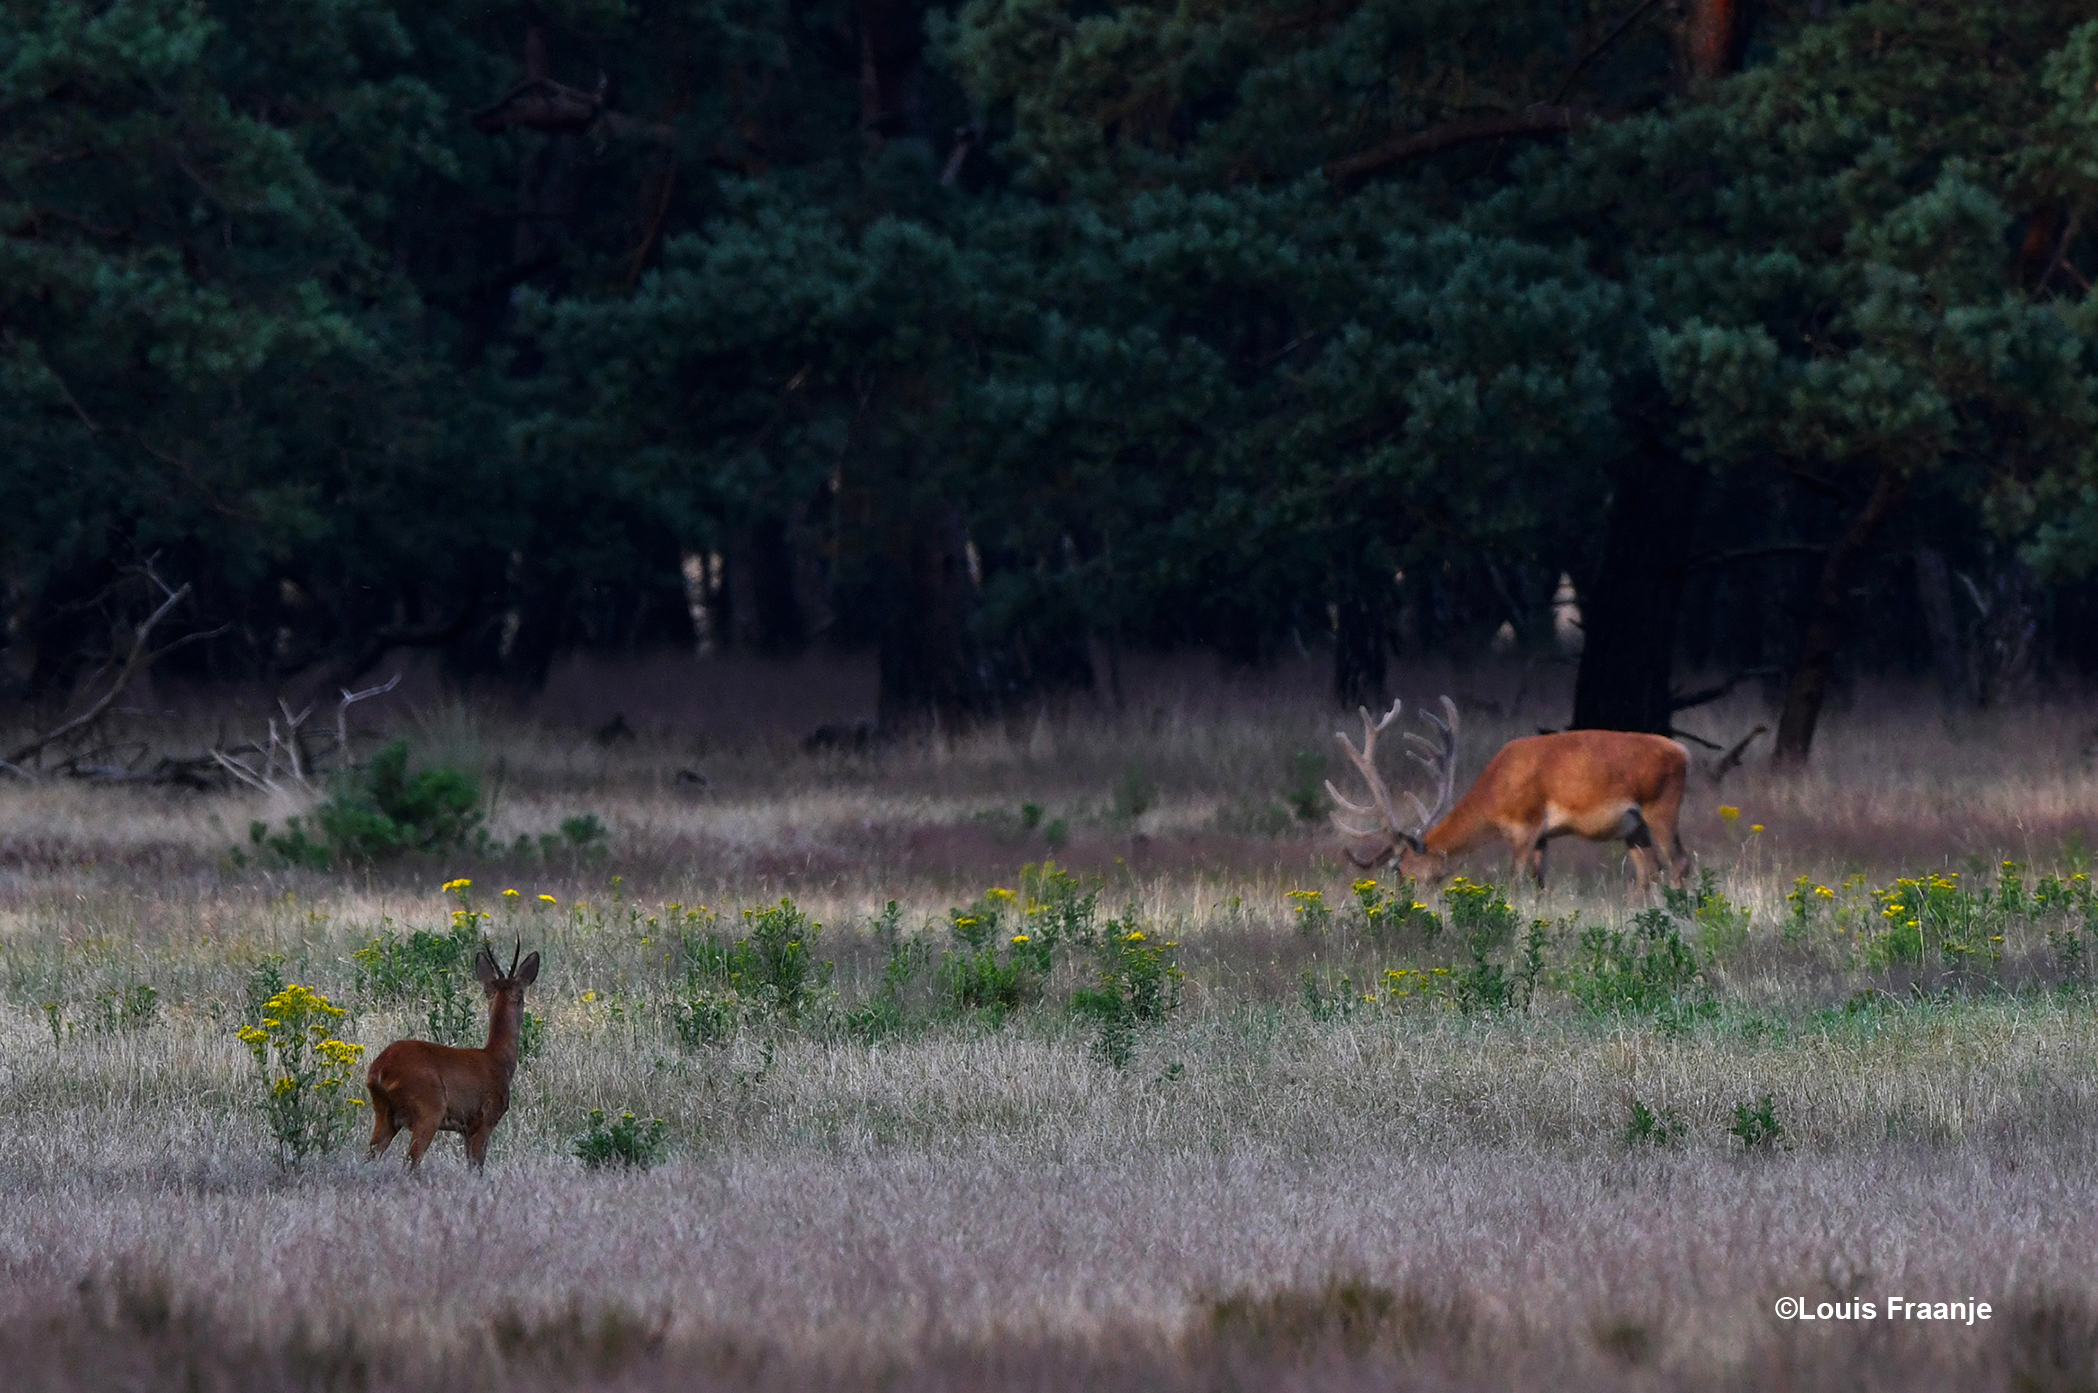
(529, 972)
(485, 968)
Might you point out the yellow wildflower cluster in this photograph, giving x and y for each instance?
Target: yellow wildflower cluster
(306, 1072)
(1425, 982)
(453, 887)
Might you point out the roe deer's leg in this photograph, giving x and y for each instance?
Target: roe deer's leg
(422, 1131)
(383, 1125)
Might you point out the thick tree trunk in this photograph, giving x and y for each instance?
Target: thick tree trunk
(1808, 687)
(930, 667)
(764, 610)
(1360, 640)
(1948, 658)
(1628, 617)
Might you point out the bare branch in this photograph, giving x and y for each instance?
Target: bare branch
(1731, 760)
(342, 713)
(1683, 701)
(141, 658)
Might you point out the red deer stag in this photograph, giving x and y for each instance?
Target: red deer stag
(423, 1088)
(1599, 784)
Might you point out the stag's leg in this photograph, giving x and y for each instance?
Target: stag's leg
(1661, 815)
(477, 1145)
(1645, 855)
(383, 1125)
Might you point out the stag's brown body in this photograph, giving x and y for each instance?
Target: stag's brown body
(423, 1088)
(1601, 785)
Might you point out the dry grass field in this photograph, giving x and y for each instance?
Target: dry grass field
(1311, 1171)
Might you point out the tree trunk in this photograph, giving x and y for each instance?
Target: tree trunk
(1948, 659)
(1628, 617)
(1360, 640)
(1807, 688)
(929, 664)
(764, 610)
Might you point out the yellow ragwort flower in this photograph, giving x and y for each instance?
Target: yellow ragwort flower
(548, 899)
(1729, 813)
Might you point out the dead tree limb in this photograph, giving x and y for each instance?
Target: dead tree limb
(140, 658)
(1731, 760)
(342, 713)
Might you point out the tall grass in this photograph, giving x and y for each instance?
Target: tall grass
(1265, 1195)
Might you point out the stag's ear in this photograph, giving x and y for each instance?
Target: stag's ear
(485, 968)
(528, 973)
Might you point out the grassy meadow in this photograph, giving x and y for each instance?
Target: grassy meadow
(1198, 1127)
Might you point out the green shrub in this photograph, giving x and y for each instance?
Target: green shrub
(1757, 1128)
(265, 980)
(628, 1143)
(1137, 983)
(884, 1013)
(1056, 906)
(1480, 913)
(704, 1019)
(1006, 948)
(1485, 986)
(1722, 925)
(772, 969)
(1966, 927)
(292, 846)
(382, 810)
(378, 812)
(1335, 1001)
(1135, 795)
(1306, 794)
(1651, 1128)
(531, 1037)
(1382, 913)
(1309, 908)
(126, 1008)
(1649, 971)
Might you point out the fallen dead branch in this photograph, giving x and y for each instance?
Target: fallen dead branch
(141, 657)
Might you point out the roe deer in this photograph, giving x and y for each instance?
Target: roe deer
(423, 1088)
(1599, 784)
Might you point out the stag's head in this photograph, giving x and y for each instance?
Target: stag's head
(1422, 863)
(505, 987)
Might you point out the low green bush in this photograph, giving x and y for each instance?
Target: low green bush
(628, 1143)
(1137, 982)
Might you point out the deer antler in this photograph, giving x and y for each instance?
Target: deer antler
(1365, 762)
(1438, 757)
(515, 954)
